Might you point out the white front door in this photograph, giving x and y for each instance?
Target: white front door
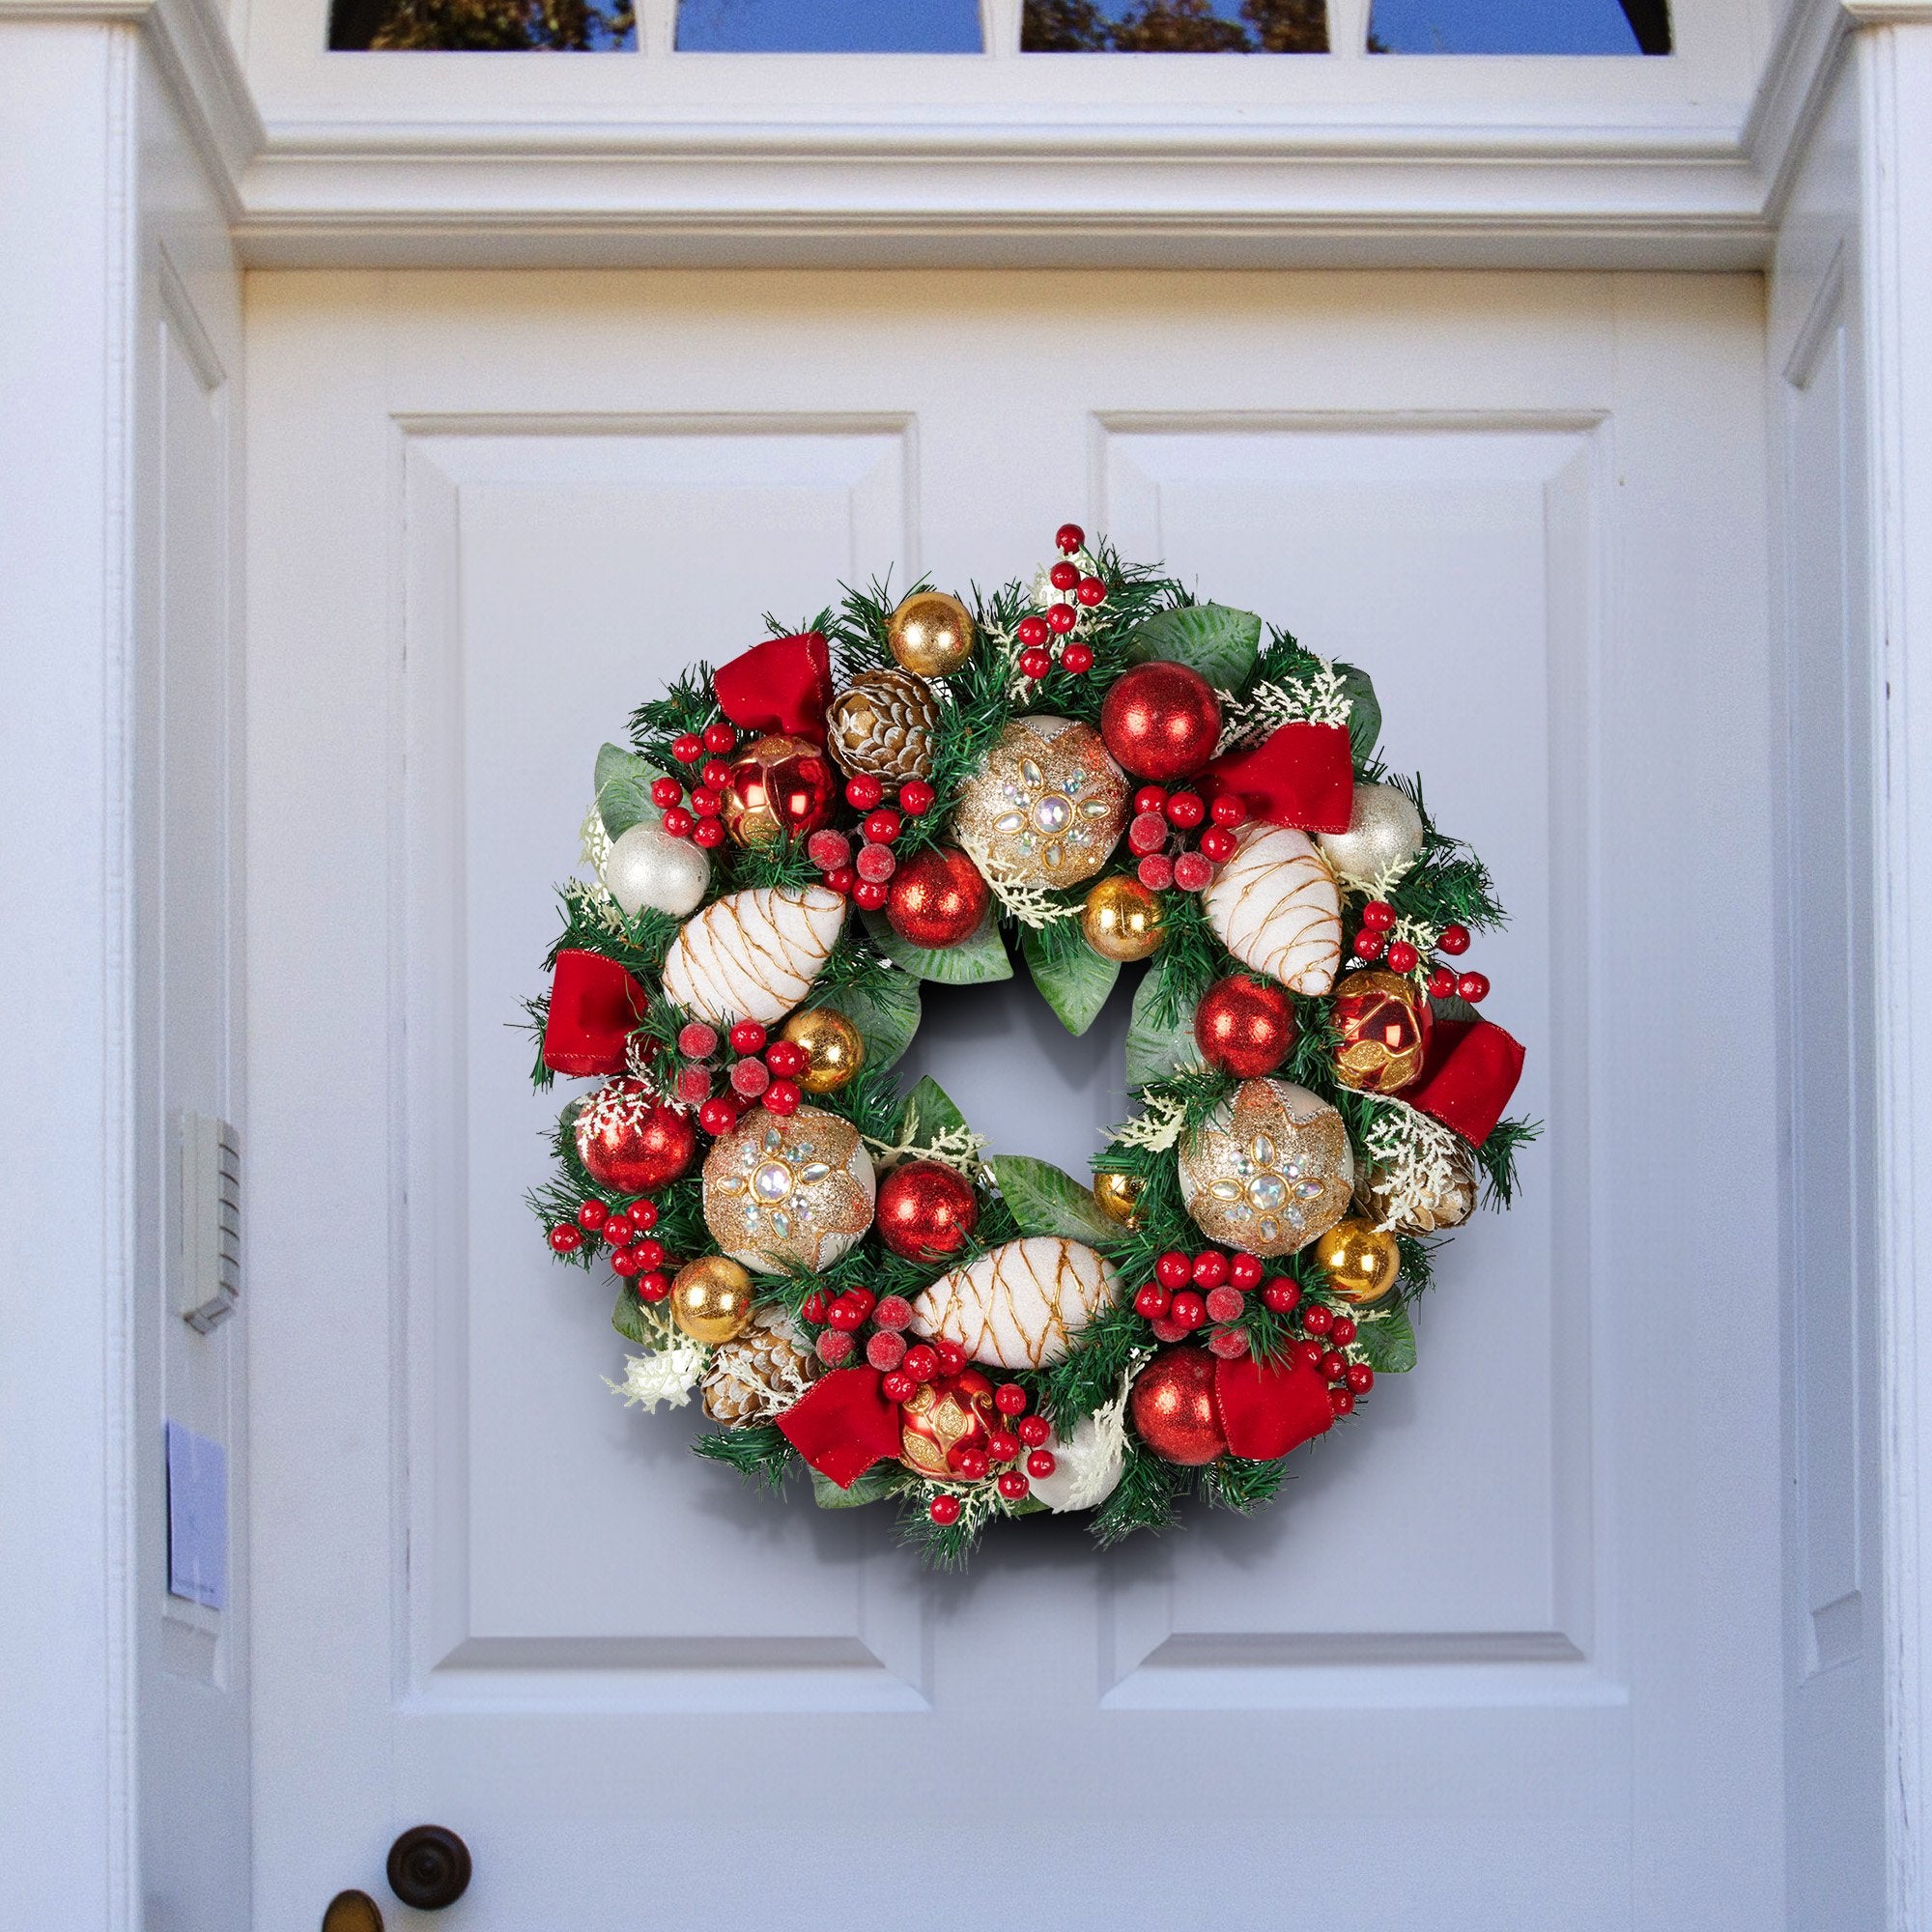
(1507, 1655)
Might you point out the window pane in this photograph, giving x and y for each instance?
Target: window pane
(483, 26)
(1175, 27)
(1520, 27)
(828, 26)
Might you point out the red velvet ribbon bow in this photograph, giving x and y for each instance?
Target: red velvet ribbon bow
(1268, 1409)
(1300, 775)
(594, 1007)
(842, 1423)
(783, 685)
(1468, 1079)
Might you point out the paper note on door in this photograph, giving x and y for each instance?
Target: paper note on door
(197, 1518)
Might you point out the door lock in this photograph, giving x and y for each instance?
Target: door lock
(429, 1867)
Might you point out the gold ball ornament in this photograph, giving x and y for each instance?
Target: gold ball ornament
(1119, 1198)
(931, 634)
(883, 724)
(834, 1049)
(1122, 919)
(1048, 806)
(711, 1299)
(1359, 1260)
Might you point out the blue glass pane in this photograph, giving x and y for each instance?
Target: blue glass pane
(1520, 27)
(482, 26)
(1175, 27)
(828, 26)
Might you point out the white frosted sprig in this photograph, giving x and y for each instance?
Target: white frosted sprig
(1030, 904)
(665, 1375)
(955, 1146)
(1089, 1464)
(1319, 698)
(595, 902)
(1417, 1159)
(593, 840)
(1156, 1127)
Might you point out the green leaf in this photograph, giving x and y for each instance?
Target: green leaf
(1388, 1341)
(1044, 1201)
(1365, 712)
(977, 961)
(628, 1317)
(934, 1110)
(1219, 642)
(624, 789)
(1154, 1051)
(1074, 980)
(885, 1013)
(878, 1483)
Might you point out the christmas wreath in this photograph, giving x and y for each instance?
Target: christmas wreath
(1101, 770)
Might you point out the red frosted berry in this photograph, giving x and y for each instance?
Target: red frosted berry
(1063, 576)
(1441, 983)
(1042, 1463)
(1031, 632)
(653, 1287)
(835, 1346)
(915, 798)
(678, 822)
(782, 1098)
(786, 1059)
(687, 747)
(1156, 871)
(1335, 1364)
(1012, 1485)
(1061, 618)
(869, 894)
(626, 1262)
(1454, 939)
(876, 863)
(1187, 1310)
(1341, 1402)
(706, 803)
(747, 1036)
(1147, 833)
(1034, 662)
(1280, 1296)
(1229, 1343)
(1401, 957)
(898, 1386)
(1091, 592)
(1473, 987)
(666, 792)
(1193, 873)
(1361, 1378)
(1245, 1270)
(882, 827)
(1186, 809)
(968, 1463)
(943, 1509)
(1002, 1446)
(566, 1237)
(717, 774)
(693, 1086)
(885, 1349)
(719, 737)
(1032, 1429)
(1379, 914)
(1368, 945)
(1174, 1269)
(708, 833)
(717, 1117)
(1318, 1318)
(894, 1311)
(1210, 1268)
(1217, 844)
(921, 1362)
(1150, 1303)
(1226, 1304)
(1069, 538)
(828, 850)
(1150, 798)
(1230, 809)
(952, 1356)
(750, 1078)
(1168, 1331)
(1010, 1399)
(1077, 658)
(642, 1215)
(592, 1215)
(863, 792)
(1344, 1332)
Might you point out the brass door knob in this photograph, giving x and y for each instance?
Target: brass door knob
(429, 1867)
(352, 1912)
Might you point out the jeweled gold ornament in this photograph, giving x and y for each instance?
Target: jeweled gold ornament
(780, 787)
(1442, 1200)
(754, 954)
(1269, 1171)
(1120, 1196)
(1359, 1260)
(788, 1190)
(1382, 1022)
(834, 1049)
(883, 723)
(759, 1373)
(1383, 838)
(1121, 919)
(1048, 806)
(711, 1299)
(931, 634)
(1018, 1304)
(1274, 906)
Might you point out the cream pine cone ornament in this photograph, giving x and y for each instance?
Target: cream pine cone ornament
(754, 954)
(759, 1374)
(1019, 1305)
(1274, 906)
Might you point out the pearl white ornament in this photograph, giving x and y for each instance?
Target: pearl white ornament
(647, 867)
(1385, 836)
(1086, 1465)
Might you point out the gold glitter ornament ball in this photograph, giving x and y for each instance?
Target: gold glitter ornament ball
(1119, 1198)
(834, 1049)
(793, 1190)
(1048, 806)
(1359, 1260)
(711, 1299)
(1269, 1170)
(1122, 919)
(931, 634)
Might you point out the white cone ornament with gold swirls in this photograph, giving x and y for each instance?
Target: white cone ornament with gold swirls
(754, 954)
(1269, 1171)
(1274, 906)
(1019, 1305)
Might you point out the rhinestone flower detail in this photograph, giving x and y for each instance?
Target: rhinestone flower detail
(1048, 805)
(788, 1192)
(1269, 1172)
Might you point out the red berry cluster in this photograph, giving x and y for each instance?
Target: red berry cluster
(1326, 1336)
(863, 878)
(1161, 815)
(1373, 942)
(699, 820)
(1040, 637)
(1021, 1435)
(766, 1070)
(1190, 1292)
(626, 1233)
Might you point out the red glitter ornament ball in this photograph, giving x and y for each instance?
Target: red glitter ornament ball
(927, 1211)
(630, 1144)
(1173, 1406)
(1244, 1027)
(937, 898)
(1161, 720)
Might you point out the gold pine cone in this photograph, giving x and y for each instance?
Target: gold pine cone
(760, 1373)
(884, 724)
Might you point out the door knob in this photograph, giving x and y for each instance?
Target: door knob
(352, 1912)
(429, 1867)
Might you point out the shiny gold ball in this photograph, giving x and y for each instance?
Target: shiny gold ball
(711, 1299)
(931, 634)
(834, 1049)
(1122, 919)
(1359, 1258)
(1119, 1196)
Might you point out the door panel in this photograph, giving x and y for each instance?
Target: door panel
(1504, 1654)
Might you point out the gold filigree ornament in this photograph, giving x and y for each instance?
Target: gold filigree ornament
(1270, 1170)
(1048, 806)
(788, 1191)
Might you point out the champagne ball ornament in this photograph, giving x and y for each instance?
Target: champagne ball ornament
(834, 1048)
(944, 1416)
(1383, 1022)
(927, 1211)
(883, 724)
(780, 787)
(1244, 1027)
(931, 634)
(1383, 838)
(1048, 805)
(1173, 1410)
(1359, 1260)
(629, 1142)
(1119, 1196)
(937, 898)
(1121, 919)
(1161, 720)
(647, 867)
(711, 1299)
